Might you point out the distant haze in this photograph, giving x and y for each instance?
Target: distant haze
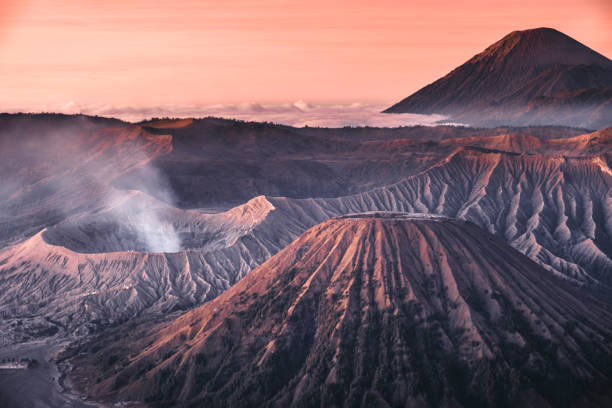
(175, 53)
(299, 113)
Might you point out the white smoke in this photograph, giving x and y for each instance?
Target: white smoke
(147, 221)
(59, 173)
(145, 210)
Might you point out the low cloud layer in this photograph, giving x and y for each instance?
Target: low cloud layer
(300, 113)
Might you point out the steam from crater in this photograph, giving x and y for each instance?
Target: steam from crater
(78, 168)
(157, 235)
(145, 217)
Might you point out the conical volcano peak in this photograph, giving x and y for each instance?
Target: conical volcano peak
(531, 77)
(543, 47)
(358, 297)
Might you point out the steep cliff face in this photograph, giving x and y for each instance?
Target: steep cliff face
(378, 309)
(538, 76)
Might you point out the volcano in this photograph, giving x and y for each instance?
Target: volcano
(532, 77)
(375, 309)
(145, 219)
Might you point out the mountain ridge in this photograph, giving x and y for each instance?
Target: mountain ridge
(451, 313)
(546, 191)
(501, 84)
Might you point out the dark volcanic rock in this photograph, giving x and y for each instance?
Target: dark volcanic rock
(530, 77)
(371, 310)
(114, 254)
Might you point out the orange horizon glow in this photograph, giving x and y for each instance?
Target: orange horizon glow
(143, 53)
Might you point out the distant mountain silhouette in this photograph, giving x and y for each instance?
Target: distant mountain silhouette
(532, 77)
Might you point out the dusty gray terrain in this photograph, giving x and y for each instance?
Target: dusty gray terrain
(377, 309)
(139, 221)
(119, 253)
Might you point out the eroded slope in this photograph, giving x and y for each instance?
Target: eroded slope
(107, 255)
(370, 310)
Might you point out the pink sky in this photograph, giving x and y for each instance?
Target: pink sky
(151, 53)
